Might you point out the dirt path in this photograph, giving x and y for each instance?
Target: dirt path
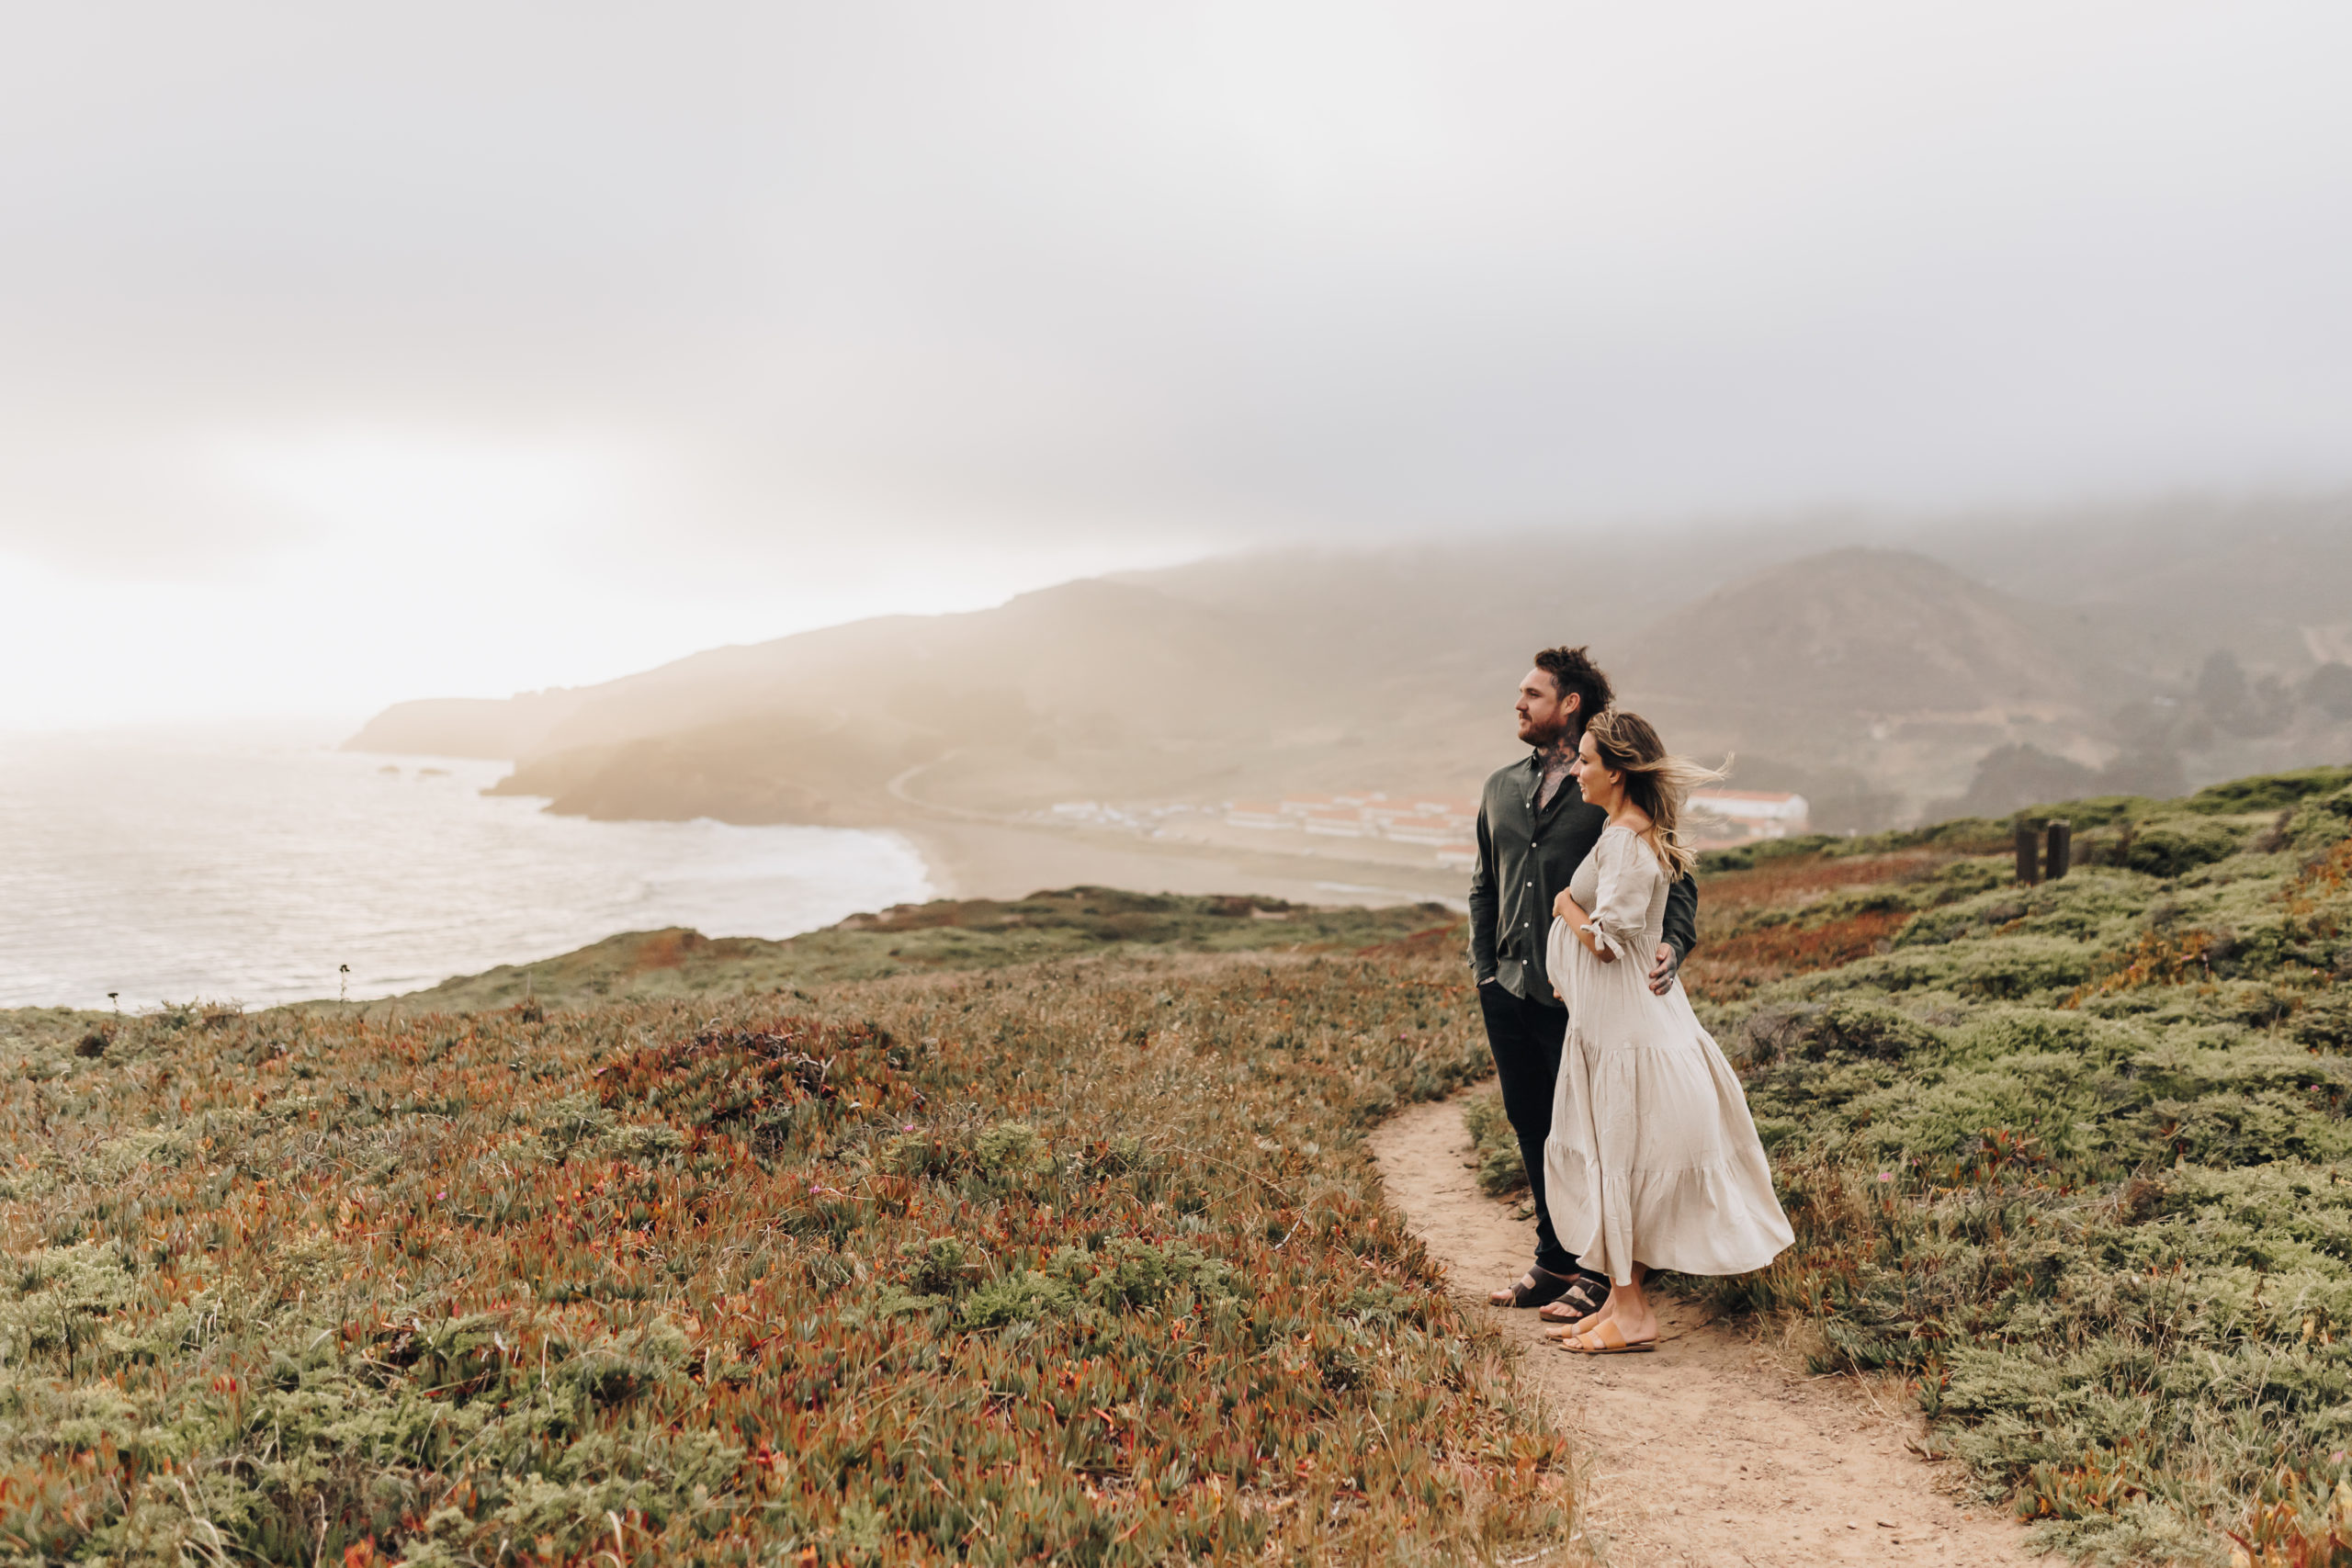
(1707, 1451)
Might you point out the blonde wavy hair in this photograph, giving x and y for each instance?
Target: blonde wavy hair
(1656, 781)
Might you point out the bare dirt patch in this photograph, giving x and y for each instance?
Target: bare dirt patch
(1711, 1450)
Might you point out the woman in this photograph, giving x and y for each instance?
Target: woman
(1652, 1161)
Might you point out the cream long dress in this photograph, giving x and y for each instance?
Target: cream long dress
(1652, 1155)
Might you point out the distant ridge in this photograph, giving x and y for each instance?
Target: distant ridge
(1870, 676)
(1868, 634)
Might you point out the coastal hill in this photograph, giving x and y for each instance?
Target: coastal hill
(1874, 680)
(1882, 681)
(993, 1227)
(1868, 636)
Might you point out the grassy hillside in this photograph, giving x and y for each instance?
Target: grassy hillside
(1082, 1258)
(942, 935)
(2072, 1160)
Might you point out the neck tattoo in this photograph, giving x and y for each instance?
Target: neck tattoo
(1556, 757)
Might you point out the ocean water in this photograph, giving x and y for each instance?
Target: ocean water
(170, 868)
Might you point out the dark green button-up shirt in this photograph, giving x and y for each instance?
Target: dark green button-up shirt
(1526, 855)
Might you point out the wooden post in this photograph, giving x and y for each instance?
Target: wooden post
(2061, 847)
(2029, 854)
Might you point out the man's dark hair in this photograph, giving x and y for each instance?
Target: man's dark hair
(1572, 670)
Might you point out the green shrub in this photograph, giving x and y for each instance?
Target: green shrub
(2096, 812)
(2323, 1022)
(62, 1296)
(2092, 902)
(2267, 792)
(1021, 1296)
(1988, 969)
(1125, 1276)
(1129, 1274)
(1841, 1029)
(942, 1266)
(1010, 1149)
(2169, 846)
(1500, 1169)
(2321, 822)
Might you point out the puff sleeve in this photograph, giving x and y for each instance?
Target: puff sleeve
(1629, 876)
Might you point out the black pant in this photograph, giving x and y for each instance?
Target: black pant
(1526, 1038)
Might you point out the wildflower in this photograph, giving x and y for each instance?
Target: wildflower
(1886, 1175)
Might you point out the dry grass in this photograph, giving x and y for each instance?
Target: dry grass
(1736, 967)
(1791, 881)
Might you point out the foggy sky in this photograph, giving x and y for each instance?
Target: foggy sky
(353, 353)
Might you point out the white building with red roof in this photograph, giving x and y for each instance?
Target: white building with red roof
(1751, 814)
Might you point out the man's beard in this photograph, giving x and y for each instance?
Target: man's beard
(1555, 738)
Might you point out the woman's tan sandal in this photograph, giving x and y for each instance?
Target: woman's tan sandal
(1607, 1340)
(1536, 1288)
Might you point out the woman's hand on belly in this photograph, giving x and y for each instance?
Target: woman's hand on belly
(1580, 927)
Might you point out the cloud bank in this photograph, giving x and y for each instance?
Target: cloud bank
(466, 348)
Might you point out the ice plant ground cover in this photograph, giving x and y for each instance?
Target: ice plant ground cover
(2072, 1160)
(1082, 1261)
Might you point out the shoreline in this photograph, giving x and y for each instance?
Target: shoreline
(988, 860)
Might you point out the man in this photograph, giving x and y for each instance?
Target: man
(1534, 830)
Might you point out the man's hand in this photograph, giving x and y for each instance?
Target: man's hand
(1662, 973)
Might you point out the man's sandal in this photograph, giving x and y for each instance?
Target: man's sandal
(1536, 1288)
(1607, 1340)
(1578, 1302)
